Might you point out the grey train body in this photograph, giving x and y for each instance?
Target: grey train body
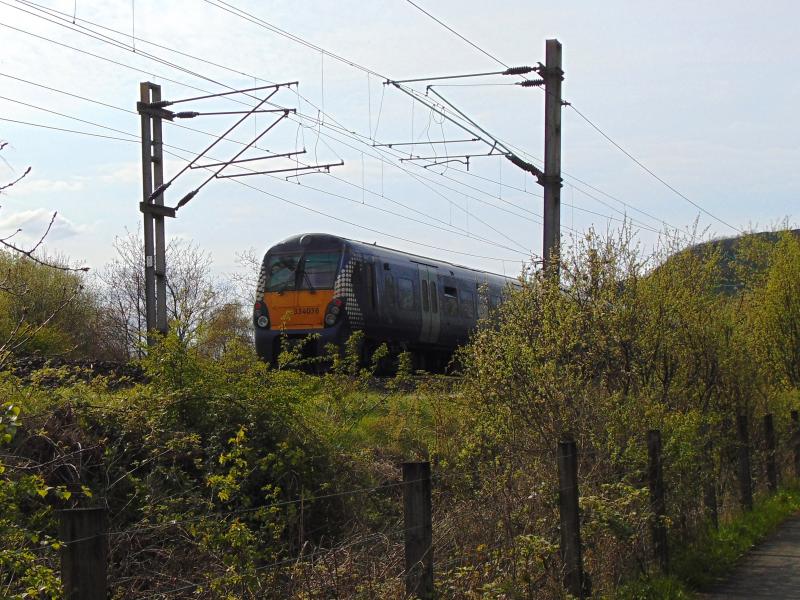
(409, 302)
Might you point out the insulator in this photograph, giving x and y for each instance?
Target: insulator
(517, 70)
(186, 198)
(187, 115)
(531, 82)
(159, 190)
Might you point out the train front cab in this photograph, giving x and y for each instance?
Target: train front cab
(297, 296)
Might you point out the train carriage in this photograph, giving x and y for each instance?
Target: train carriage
(331, 286)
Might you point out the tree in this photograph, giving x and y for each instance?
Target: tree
(44, 305)
(198, 306)
(780, 306)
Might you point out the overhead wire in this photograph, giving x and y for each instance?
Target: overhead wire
(193, 73)
(112, 61)
(66, 116)
(591, 123)
(460, 231)
(84, 98)
(126, 47)
(433, 181)
(100, 37)
(396, 153)
(421, 176)
(572, 177)
(243, 14)
(53, 128)
(122, 45)
(453, 31)
(149, 56)
(370, 229)
(653, 174)
(136, 138)
(228, 7)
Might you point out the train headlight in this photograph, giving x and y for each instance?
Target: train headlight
(263, 321)
(333, 312)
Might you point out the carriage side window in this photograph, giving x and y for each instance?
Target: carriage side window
(434, 298)
(388, 289)
(468, 305)
(450, 300)
(425, 305)
(405, 293)
(483, 306)
(494, 301)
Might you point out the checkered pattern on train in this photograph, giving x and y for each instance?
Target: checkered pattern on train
(343, 288)
(262, 282)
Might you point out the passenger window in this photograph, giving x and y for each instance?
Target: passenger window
(425, 305)
(468, 305)
(405, 289)
(388, 289)
(494, 301)
(450, 300)
(434, 299)
(483, 306)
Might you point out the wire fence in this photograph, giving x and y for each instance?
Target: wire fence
(740, 457)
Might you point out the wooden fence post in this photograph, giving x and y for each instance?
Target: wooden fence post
(570, 517)
(796, 442)
(658, 505)
(710, 492)
(745, 481)
(84, 555)
(418, 529)
(772, 465)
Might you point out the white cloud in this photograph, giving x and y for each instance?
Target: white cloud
(130, 172)
(33, 223)
(47, 186)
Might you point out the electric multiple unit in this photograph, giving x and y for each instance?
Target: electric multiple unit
(331, 286)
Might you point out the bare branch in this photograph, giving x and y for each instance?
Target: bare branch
(29, 253)
(28, 335)
(17, 180)
(19, 229)
(44, 235)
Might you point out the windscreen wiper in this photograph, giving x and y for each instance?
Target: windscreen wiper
(301, 266)
(307, 279)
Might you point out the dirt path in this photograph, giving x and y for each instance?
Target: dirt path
(770, 570)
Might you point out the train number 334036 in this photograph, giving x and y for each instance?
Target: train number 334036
(306, 310)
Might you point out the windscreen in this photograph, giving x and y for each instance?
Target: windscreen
(296, 271)
(318, 270)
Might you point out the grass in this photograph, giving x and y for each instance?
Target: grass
(715, 555)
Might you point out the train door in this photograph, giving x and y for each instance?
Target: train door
(429, 298)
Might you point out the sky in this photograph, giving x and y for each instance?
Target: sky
(705, 97)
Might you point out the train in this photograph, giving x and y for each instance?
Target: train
(321, 288)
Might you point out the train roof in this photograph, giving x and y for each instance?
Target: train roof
(365, 246)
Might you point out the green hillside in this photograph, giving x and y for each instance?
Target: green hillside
(741, 257)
